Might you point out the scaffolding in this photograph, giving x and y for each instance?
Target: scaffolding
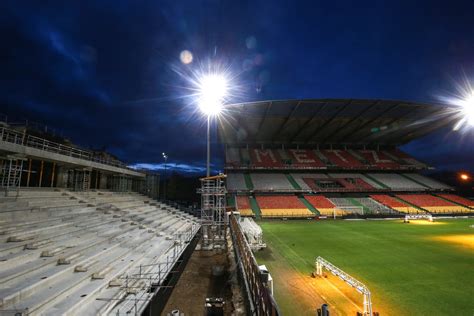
(11, 170)
(213, 193)
(79, 179)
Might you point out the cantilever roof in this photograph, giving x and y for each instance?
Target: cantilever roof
(330, 121)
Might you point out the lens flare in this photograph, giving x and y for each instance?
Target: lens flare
(212, 92)
(462, 106)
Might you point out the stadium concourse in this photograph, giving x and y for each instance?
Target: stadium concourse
(319, 158)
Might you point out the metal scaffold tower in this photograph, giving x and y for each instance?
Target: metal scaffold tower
(11, 170)
(79, 179)
(213, 193)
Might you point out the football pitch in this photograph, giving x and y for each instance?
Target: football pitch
(420, 268)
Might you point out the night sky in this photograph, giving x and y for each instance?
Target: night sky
(106, 74)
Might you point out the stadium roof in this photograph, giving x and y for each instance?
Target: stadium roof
(330, 121)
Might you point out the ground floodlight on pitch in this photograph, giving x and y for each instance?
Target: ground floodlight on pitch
(409, 217)
(359, 286)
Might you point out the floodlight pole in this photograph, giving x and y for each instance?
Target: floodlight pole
(208, 165)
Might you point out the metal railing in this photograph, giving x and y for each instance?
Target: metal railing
(262, 301)
(19, 138)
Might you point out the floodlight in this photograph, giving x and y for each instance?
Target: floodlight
(212, 91)
(468, 109)
(464, 176)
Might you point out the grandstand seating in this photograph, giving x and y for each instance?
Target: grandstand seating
(405, 159)
(299, 178)
(395, 204)
(342, 158)
(60, 251)
(397, 182)
(324, 206)
(301, 158)
(366, 182)
(373, 206)
(282, 206)
(236, 182)
(319, 159)
(346, 205)
(271, 182)
(243, 205)
(379, 159)
(457, 199)
(265, 158)
(427, 181)
(432, 203)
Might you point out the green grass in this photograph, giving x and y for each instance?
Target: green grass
(403, 266)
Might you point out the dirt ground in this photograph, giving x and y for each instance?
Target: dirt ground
(197, 282)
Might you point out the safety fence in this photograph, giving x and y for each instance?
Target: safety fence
(261, 301)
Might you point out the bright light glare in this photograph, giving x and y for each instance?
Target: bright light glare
(468, 109)
(464, 176)
(212, 92)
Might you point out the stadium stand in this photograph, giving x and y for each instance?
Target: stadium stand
(271, 182)
(301, 158)
(347, 205)
(396, 182)
(243, 205)
(324, 147)
(370, 184)
(405, 158)
(282, 206)
(300, 179)
(457, 199)
(379, 159)
(342, 158)
(426, 181)
(432, 203)
(236, 182)
(65, 252)
(396, 204)
(373, 207)
(324, 206)
(265, 158)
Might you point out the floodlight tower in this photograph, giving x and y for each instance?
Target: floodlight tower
(165, 157)
(212, 92)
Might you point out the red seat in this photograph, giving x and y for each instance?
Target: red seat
(280, 202)
(457, 199)
(387, 200)
(319, 201)
(424, 200)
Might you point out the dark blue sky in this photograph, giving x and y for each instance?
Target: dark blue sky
(103, 72)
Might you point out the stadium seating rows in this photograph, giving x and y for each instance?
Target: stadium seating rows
(307, 158)
(397, 182)
(60, 251)
(395, 204)
(282, 206)
(243, 205)
(324, 205)
(292, 206)
(271, 182)
(458, 200)
(337, 182)
(432, 203)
